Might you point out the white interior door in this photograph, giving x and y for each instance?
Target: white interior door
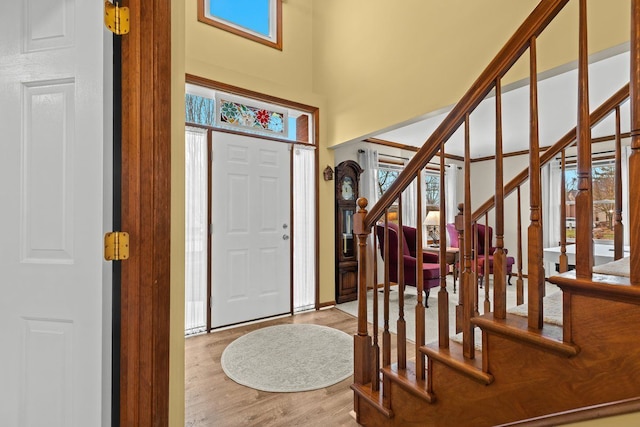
(251, 197)
(55, 189)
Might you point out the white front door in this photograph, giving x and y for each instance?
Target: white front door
(54, 191)
(250, 257)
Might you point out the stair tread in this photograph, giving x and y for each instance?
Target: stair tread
(374, 398)
(408, 380)
(453, 357)
(517, 327)
(600, 286)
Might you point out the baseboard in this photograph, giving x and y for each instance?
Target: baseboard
(326, 304)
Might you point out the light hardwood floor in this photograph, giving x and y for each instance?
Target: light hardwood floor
(212, 399)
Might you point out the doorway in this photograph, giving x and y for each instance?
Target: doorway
(223, 145)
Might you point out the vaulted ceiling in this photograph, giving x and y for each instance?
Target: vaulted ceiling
(557, 101)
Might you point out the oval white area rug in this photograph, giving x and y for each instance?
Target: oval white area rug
(289, 358)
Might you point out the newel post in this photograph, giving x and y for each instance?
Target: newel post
(362, 340)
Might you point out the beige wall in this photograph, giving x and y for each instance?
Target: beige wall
(379, 65)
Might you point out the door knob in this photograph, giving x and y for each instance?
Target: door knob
(285, 237)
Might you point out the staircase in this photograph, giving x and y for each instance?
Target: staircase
(527, 371)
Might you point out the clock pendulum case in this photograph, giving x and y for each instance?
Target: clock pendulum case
(347, 179)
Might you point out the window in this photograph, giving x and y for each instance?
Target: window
(387, 174)
(603, 178)
(257, 20)
(199, 110)
(432, 191)
(233, 113)
(217, 109)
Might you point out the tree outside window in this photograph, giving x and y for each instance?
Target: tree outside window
(386, 177)
(432, 191)
(603, 186)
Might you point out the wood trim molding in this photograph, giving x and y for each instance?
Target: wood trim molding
(235, 90)
(146, 158)
(407, 147)
(326, 304)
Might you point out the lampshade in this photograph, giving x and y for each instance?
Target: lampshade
(432, 218)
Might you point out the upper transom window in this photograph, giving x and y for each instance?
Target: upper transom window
(257, 20)
(222, 110)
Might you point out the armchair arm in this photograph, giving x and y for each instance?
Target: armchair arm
(427, 258)
(430, 257)
(409, 261)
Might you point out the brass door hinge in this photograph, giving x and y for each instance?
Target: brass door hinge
(116, 18)
(116, 246)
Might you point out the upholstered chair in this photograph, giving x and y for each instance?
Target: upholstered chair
(430, 265)
(481, 253)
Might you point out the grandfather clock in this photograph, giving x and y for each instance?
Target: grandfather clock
(347, 177)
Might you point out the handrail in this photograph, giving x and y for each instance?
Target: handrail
(599, 411)
(596, 117)
(532, 26)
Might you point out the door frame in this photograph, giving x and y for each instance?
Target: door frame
(314, 112)
(146, 203)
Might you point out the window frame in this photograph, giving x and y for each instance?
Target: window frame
(436, 174)
(596, 163)
(384, 165)
(275, 19)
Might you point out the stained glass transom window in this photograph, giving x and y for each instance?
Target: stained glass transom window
(245, 116)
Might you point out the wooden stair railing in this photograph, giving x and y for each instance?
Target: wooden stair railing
(489, 79)
(366, 362)
(608, 107)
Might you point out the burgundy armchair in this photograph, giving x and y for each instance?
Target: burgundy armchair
(481, 253)
(430, 265)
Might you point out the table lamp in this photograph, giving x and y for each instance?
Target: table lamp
(432, 222)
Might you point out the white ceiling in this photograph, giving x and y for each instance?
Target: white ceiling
(557, 106)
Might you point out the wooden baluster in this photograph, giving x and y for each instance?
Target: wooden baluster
(634, 159)
(468, 279)
(443, 296)
(487, 266)
(563, 261)
(499, 257)
(461, 257)
(386, 336)
(584, 197)
(618, 228)
(420, 332)
(519, 282)
(362, 340)
(401, 325)
(375, 351)
(534, 246)
(479, 279)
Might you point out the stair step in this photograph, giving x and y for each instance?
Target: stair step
(409, 381)
(615, 288)
(548, 338)
(373, 398)
(454, 358)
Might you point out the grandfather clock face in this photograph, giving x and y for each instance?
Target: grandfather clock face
(347, 188)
